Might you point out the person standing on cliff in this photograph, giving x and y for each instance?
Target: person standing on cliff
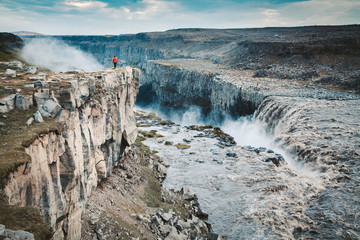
(114, 61)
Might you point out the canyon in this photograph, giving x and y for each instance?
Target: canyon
(300, 85)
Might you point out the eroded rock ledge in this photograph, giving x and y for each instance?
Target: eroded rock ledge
(99, 128)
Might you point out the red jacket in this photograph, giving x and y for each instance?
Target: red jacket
(114, 60)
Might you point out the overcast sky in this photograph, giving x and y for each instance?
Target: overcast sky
(132, 16)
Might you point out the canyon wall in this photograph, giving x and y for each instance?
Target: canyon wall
(99, 129)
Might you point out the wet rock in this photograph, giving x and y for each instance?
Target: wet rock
(10, 72)
(275, 161)
(231, 154)
(161, 169)
(213, 236)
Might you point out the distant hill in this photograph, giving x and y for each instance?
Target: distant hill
(9, 45)
(26, 33)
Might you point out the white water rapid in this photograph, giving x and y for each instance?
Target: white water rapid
(245, 196)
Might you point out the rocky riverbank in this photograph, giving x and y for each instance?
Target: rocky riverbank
(133, 203)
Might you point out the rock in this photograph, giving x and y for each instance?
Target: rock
(37, 117)
(8, 90)
(41, 96)
(18, 235)
(7, 103)
(2, 231)
(166, 216)
(213, 236)
(173, 235)
(39, 77)
(38, 83)
(29, 121)
(188, 194)
(14, 235)
(23, 103)
(182, 225)
(275, 161)
(10, 72)
(165, 230)
(231, 154)
(162, 169)
(156, 221)
(31, 70)
(186, 140)
(49, 108)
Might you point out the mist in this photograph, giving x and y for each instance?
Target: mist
(245, 130)
(58, 56)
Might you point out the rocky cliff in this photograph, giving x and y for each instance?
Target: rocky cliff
(99, 128)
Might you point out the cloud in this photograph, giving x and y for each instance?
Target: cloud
(86, 4)
(132, 16)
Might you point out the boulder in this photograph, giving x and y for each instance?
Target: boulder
(173, 235)
(188, 194)
(166, 216)
(49, 108)
(162, 169)
(38, 77)
(10, 72)
(213, 236)
(2, 231)
(41, 96)
(18, 235)
(38, 83)
(7, 103)
(23, 103)
(38, 118)
(9, 90)
(29, 121)
(31, 70)
(182, 225)
(231, 154)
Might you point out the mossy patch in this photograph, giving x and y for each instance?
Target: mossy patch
(182, 146)
(15, 136)
(151, 134)
(24, 218)
(168, 143)
(200, 128)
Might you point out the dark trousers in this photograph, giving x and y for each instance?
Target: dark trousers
(115, 64)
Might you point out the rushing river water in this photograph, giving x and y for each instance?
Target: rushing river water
(245, 195)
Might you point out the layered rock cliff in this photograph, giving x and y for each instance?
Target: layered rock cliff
(65, 167)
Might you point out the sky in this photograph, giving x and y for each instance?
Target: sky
(113, 17)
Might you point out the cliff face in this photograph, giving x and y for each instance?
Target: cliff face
(99, 129)
(174, 85)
